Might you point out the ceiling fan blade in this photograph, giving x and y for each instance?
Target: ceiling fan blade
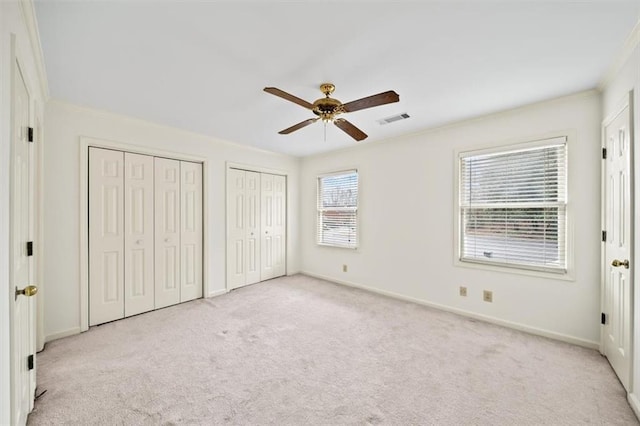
(350, 129)
(298, 126)
(371, 101)
(289, 97)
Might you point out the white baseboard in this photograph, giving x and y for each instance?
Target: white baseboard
(510, 324)
(634, 402)
(217, 293)
(61, 334)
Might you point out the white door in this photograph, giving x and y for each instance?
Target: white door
(23, 326)
(252, 233)
(617, 303)
(138, 234)
(273, 199)
(243, 219)
(106, 235)
(167, 232)
(191, 230)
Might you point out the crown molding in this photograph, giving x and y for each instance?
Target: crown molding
(622, 57)
(31, 23)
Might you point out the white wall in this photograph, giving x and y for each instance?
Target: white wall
(64, 126)
(15, 22)
(407, 218)
(616, 89)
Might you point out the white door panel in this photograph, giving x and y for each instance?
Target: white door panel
(191, 231)
(252, 233)
(139, 230)
(617, 303)
(236, 229)
(167, 232)
(106, 235)
(23, 325)
(273, 196)
(244, 221)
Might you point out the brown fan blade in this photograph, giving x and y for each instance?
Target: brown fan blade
(288, 96)
(298, 126)
(350, 129)
(372, 101)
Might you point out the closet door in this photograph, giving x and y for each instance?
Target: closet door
(106, 235)
(138, 238)
(273, 226)
(279, 226)
(252, 234)
(243, 219)
(236, 275)
(191, 230)
(167, 232)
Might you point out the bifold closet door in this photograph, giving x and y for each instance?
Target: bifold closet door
(191, 230)
(273, 226)
(106, 235)
(138, 238)
(167, 232)
(243, 218)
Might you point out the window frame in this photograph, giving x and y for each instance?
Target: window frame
(567, 274)
(319, 210)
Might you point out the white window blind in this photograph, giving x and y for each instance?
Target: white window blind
(513, 206)
(338, 209)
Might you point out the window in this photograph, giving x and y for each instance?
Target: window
(338, 209)
(513, 206)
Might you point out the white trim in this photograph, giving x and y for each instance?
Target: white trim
(569, 135)
(85, 143)
(623, 55)
(493, 320)
(259, 169)
(634, 402)
(31, 24)
(66, 333)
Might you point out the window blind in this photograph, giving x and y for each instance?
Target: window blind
(513, 206)
(337, 209)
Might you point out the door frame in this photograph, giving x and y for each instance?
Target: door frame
(85, 144)
(250, 168)
(626, 102)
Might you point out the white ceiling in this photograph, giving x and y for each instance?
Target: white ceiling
(202, 65)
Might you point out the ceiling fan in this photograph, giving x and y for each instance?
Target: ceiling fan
(328, 108)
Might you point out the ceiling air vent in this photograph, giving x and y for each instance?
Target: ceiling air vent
(393, 118)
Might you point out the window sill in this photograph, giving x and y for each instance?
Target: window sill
(559, 276)
(335, 246)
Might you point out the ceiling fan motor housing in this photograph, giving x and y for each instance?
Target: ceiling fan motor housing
(327, 108)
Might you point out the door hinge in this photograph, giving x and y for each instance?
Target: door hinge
(604, 153)
(30, 134)
(29, 248)
(604, 236)
(603, 318)
(30, 362)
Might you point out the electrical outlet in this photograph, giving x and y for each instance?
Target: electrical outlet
(487, 296)
(344, 268)
(463, 291)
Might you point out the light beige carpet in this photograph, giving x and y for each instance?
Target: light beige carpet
(300, 351)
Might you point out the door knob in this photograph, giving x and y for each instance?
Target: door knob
(167, 240)
(618, 263)
(138, 242)
(30, 290)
